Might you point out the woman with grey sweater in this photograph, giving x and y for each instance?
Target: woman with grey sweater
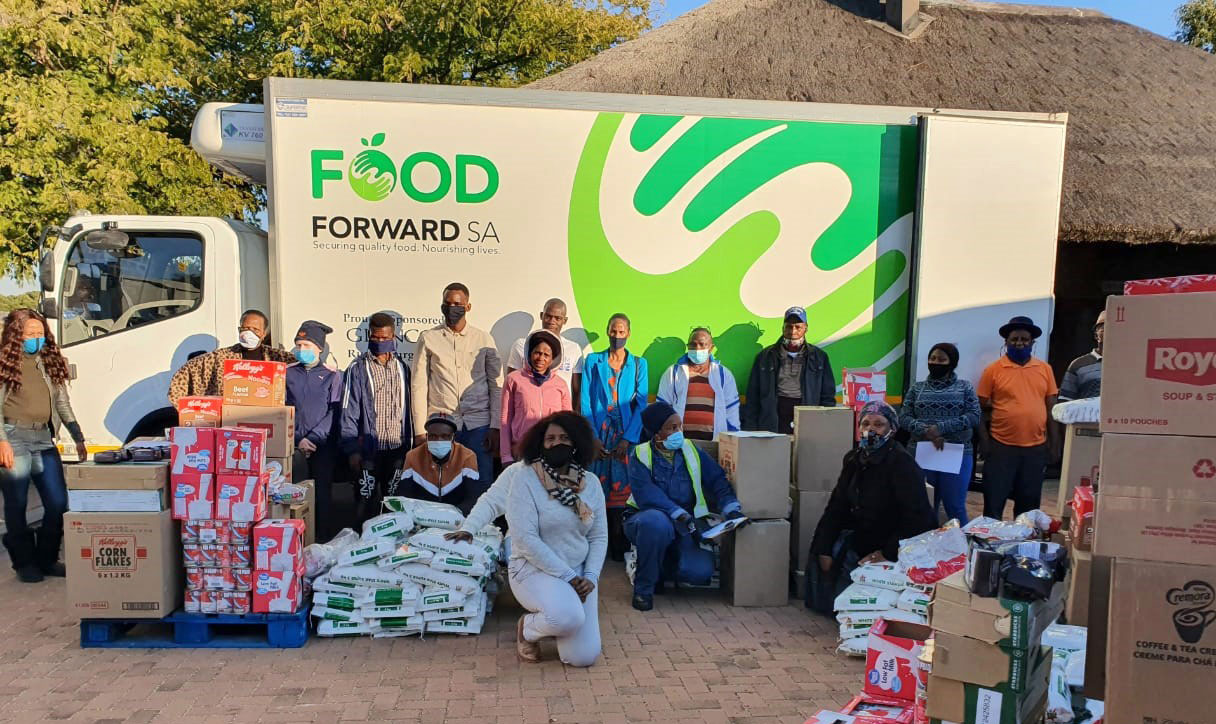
(559, 537)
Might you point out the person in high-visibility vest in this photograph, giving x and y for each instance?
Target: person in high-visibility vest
(672, 484)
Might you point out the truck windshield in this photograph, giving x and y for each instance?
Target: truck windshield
(156, 277)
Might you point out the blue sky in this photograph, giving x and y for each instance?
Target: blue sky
(1154, 15)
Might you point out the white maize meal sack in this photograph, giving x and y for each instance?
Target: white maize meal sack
(865, 598)
(427, 576)
(365, 551)
(880, 575)
(388, 525)
(343, 628)
(367, 576)
(458, 564)
(914, 601)
(438, 599)
(404, 554)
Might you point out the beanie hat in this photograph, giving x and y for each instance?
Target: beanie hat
(878, 407)
(950, 351)
(655, 415)
(314, 331)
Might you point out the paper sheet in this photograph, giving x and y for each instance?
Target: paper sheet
(947, 460)
(723, 528)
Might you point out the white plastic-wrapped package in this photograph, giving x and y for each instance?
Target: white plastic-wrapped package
(335, 614)
(426, 513)
(341, 601)
(1078, 411)
(473, 606)
(432, 539)
(933, 555)
(367, 576)
(880, 575)
(1074, 670)
(865, 598)
(426, 576)
(853, 630)
(343, 628)
(433, 599)
(397, 611)
(407, 594)
(1063, 638)
(365, 551)
(1036, 519)
(457, 625)
(1059, 696)
(320, 557)
(325, 584)
(388, 525)
(459, 564)
(991, 529)
(403, 554)
(868, 618)
(855, 646)
(914, 601)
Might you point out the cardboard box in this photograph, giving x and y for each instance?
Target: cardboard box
(199, 411)
(822, 436)
(276, 592)
(757, 464)
(241, 498)
(1156, 529)
(1161, 643)
(278, 545)
(192, 451)
(240, 451)
(1082, 452)
(963, 703)
(119, 476)
(808, 509)
(756, 564)
(118, 501)
(1159, 466)
(1099, 620)
(976, 662)
(254, 382)
(1076, 604)
(998, 621)
(1159, 366)
(709, 447)
(891, 658)
(863, 385)
(193, 496)
(122, 565)
(1171, 285)
(278, 422)
(1084, 517)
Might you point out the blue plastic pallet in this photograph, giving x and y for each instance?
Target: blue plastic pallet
(181, 630)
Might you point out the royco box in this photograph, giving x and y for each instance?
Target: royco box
(120, 476)
(808, 509)
(756, 564)
(961, 702)
(1158, 498)
(999, 621)
(122, 565)
(1082, 452)
(278, 422)
(822, 435)
(1161, 646)
(1076, 604)
(757, 464)
(1159, 366)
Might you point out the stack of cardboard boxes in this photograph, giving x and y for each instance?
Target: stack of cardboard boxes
(1079, 478)
(822, 436)
(1156, 507)
(988, 664)
(756, 557)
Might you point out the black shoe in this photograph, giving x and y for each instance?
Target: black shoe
(29, 574)
(643, 603)
(660, 589)
(54, 570)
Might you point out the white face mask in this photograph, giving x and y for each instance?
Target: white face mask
(249, 340)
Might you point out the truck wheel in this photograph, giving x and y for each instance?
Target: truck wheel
(153, 424)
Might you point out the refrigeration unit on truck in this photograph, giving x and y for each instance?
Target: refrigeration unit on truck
(895, 227)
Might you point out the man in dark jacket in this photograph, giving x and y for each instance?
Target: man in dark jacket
(441, 470)
(376, 421)
(790, 373)
(316, 392)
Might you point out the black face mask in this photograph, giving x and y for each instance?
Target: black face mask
(558, 456)
(452, 313)
(938, 371)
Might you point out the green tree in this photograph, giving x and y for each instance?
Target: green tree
(97, 98)
(1197, 24)
(9, 302)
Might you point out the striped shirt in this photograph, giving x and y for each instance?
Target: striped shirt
(699, 409)
(1083, 378)
(387, 398)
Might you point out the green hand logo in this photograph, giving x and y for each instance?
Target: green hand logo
(738, 256)
(372, 174)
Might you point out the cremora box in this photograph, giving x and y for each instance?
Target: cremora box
(119, 476)
(892, 665)
(962, 702)
(1159, 366)
(241, 498)
(193, 496)
(276, 592)
(278, 422)
(976, 662)
(1082, 453)
(757, 464)
(254, 382)
(118, 501)
(122, 565)
(278, 545)
(191, 450)
(756, 563)
(1158, 499)
(808, 509)
(1161, 643)
(822, 436)
(1076, 604)
(199, 411)
(998, 621)
(240, 451)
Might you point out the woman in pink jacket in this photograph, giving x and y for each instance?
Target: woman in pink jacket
(532, 393)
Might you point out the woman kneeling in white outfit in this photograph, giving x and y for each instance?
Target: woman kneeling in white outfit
(559, 535)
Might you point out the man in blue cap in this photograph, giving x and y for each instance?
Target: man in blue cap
(673, 484)
(790, 373)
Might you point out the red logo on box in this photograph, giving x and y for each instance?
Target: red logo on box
(1186, 361)
(1205, 469)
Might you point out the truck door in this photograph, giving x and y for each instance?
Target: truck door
(128, 317)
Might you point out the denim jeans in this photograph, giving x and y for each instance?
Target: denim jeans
(950, 489)
(44, 469)
(475, 440)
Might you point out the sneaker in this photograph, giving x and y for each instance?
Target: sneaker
(29, 574)
(643, 603)
(55, 570)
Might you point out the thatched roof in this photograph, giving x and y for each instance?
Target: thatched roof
(1142, 109)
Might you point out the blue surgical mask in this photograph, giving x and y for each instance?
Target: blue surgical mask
(382, 346)
(617, 342)
(698, 356)
(439, 448)
(871, 441)
(1019, 355)
(34, 345)
(306, 357)
(674, 441)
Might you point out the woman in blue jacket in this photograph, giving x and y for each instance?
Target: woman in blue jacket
(613, 395)
(316, 392)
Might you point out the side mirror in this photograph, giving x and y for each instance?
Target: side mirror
(49, 308)
(46, 271)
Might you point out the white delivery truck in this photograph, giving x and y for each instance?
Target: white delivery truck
(895, 227)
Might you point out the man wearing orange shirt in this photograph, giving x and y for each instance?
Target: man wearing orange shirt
(1016, 393)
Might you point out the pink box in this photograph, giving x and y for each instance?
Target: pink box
(278, 545)
(276, 592)
(871, 709)
(892, 665)
(240, 532)
(241, 498)
(240, 451)
(242, 579)
(193, 495)
(192, 450)
(192, 601)
(240, 555)
(240, 601)
(1172, 285)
